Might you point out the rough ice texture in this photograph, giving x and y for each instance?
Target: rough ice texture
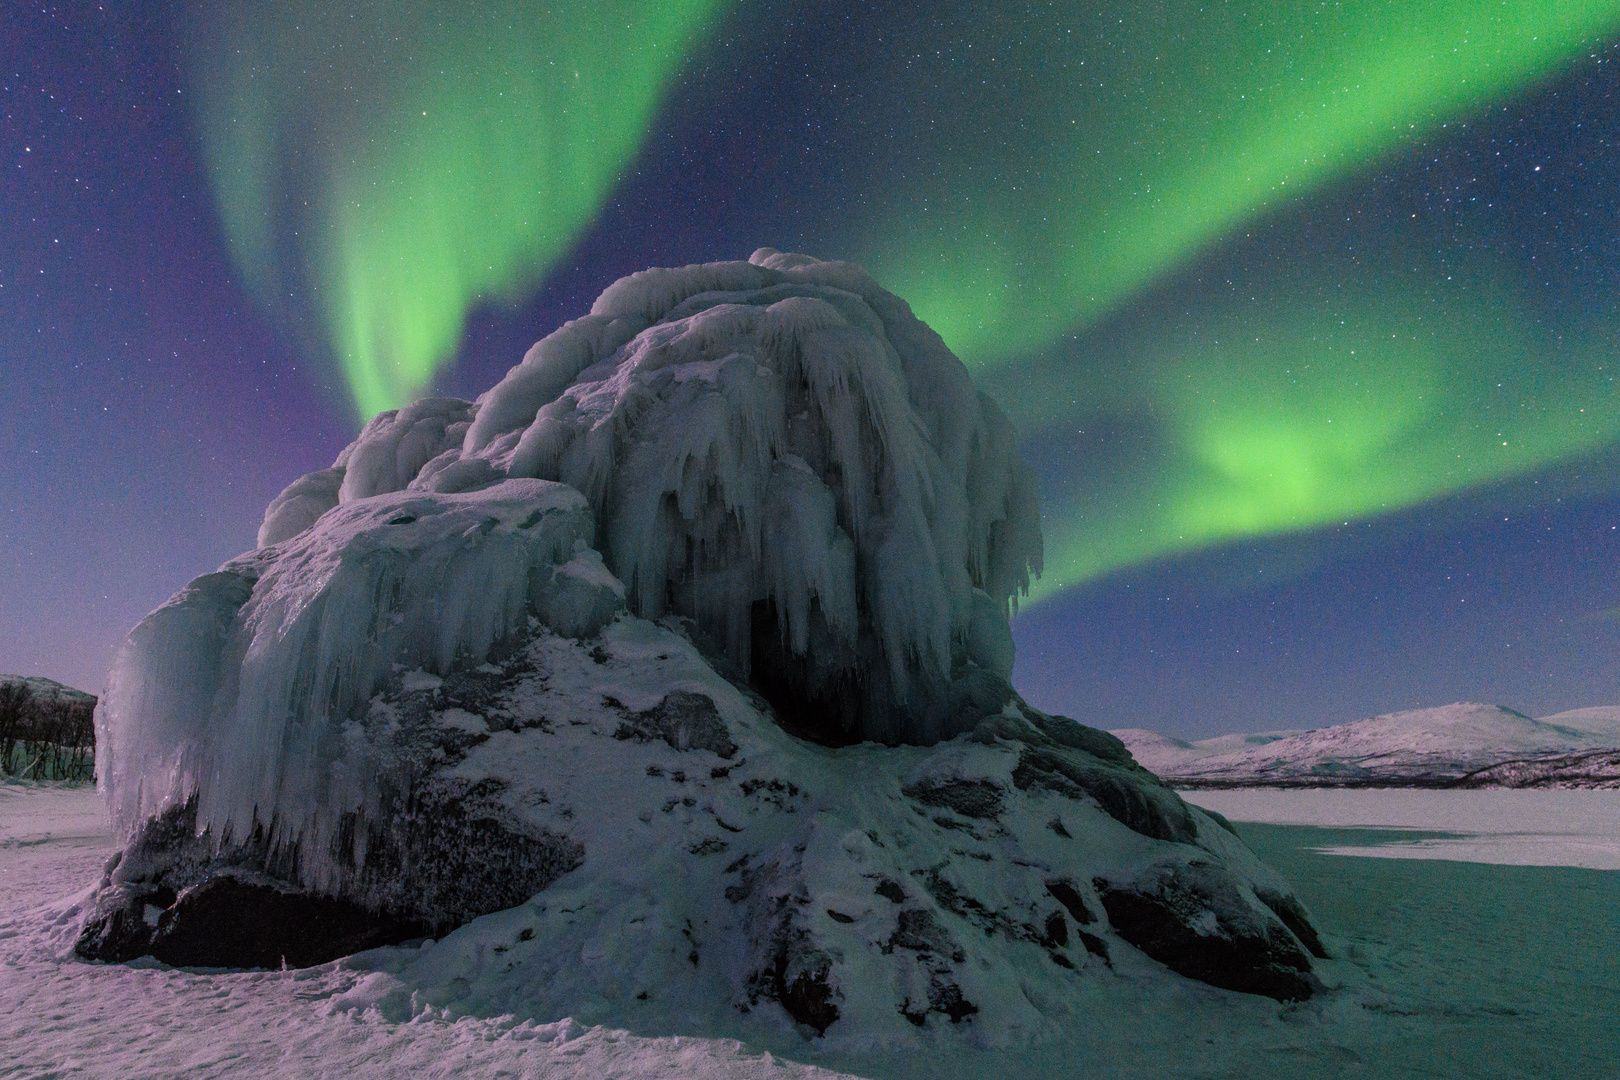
(777, 449)
(421, 702)
(985, 889)
(248, 692)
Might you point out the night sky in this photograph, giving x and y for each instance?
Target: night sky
(1309, 313)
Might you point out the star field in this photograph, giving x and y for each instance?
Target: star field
(1305, 311)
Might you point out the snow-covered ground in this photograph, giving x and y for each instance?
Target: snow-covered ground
(1448, 968)
(63, 1018)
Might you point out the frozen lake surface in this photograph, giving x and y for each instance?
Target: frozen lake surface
(1475, 933)
(1511, 827)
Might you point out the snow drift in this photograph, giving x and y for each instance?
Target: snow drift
(582, 637)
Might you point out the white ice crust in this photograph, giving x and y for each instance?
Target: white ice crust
(242, 690)
(779, 430)
(802, 500)
(731, 444)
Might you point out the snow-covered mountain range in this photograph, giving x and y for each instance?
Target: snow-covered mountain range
(1463, 744)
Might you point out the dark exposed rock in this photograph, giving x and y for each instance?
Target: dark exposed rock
(452, 852)
(234, 921)
(1259, 952)
(795, 971)
(448, 853)
(1129, 796)
(122, 924)
(970, 798)
(1100, 744)
(890, 890)
(1066, 757)
(1293, 915)
(920, 933)
(948, 999)
(943, 997)
(1095, 945)
(1219, 820)
(989, 919)
(684, 720)
(1066, 894)
(458, 834)
(482, 689)
(228, 922)
(1589, 769)
(1194, 918)
(798, 976)
(809, 1000)
(1036, 728)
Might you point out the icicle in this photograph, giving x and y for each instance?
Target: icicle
(247, 690)
(777, 449)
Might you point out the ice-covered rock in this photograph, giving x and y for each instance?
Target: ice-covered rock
(674, 666)
(246, 696)
(865, 892)
(777, 449)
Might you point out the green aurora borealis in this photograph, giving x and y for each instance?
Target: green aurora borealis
(1042, 173)
(1320, 406)
(388, 166)
(1128, 137)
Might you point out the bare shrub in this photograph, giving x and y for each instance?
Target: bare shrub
(45, 738)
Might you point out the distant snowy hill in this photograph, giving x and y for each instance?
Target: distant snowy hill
(1419, 747)
(1595, 768)
(48, 689)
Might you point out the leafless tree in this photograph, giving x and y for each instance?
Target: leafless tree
(45, 738)
(16, 702)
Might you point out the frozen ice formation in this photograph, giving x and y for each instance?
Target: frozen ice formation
(648, 845)
(777, 449)
(566, 654)
(245, 694)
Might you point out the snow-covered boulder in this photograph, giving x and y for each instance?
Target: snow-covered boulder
(675, 668)
(238, 729)
(691, 850)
